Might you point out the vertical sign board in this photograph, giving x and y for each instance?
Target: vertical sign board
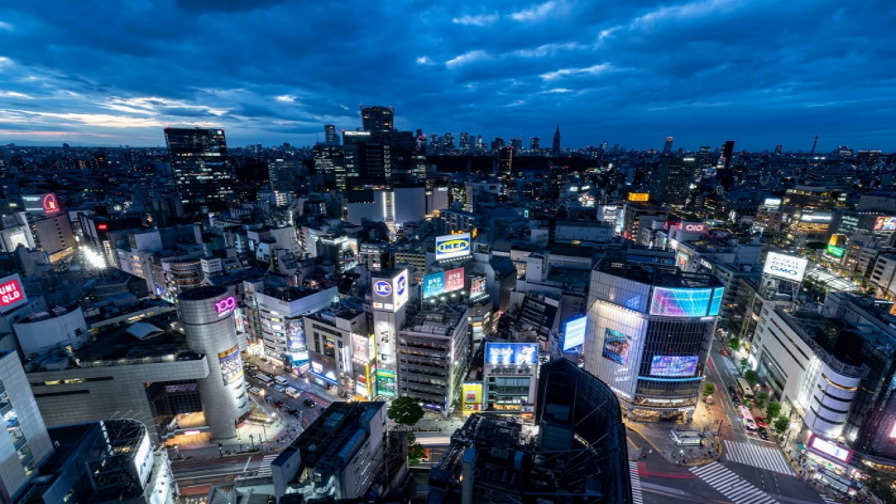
(392, 293)
(472, 397)
(454, 280)
(433, 284)
(12, 293)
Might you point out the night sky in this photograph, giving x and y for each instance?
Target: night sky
(632, 72)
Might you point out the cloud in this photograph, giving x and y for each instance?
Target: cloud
(566, 72)
(285, 98)
(467, 57)
(477, 20)
(424, 60)
(536, 13)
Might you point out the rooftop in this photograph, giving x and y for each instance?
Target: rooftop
(657, 275)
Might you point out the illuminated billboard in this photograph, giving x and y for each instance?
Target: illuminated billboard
(477, 286)
(453, 246)
(390, 293)
(433, 284)
(634, 196)
(472, 397)
(616, 346)
(679, 302)
(716, 304)
(833, 251)
(674, 366)
(385, 383)
(574, 332)
(885, 223)
(772, 202)
(828, 448)
(12, 293)
(784, 266)
(454, 280)
(511, 353)
(231, 365)
(44, 204)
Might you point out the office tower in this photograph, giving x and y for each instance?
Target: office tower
(704, 157)
(207, 315)
(464, 141)
(727, 153)
(497, 143)
(378, 119)
(283, 175)
(27, 443)
(667, 147)
(516, 143)
(330, 135)
(505, 161)
(535, 143)
(671, 180)
(581, 446)
(555, 145)
(201, 167)
(649, 334)
(779, 149)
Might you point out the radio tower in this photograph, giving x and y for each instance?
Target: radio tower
(814, 145)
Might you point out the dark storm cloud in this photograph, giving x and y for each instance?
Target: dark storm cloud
(761, 71)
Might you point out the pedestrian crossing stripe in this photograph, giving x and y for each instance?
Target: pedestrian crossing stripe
(763, 457)
(637, 497)
(828, 500)
(732, 486)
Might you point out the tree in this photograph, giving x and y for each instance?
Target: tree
(405, 411)
(416, 451)
(773, 410)
(709, 389)
(752, 377)
(744, 364)
(881, 487)
(761, 398)
(781, 424)
(734, 344)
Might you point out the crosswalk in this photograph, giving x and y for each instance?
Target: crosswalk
(828, 500)
(264, 469)
(732, 486)
(637, 498)
(763, 457)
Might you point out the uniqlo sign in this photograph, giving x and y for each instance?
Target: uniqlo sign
(12, 293)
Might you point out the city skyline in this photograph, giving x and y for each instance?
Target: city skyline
(270, 72)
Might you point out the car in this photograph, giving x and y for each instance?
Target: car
(309, 403)
(279, 388)
(735, 400)
(278, 403)
(724, 352)
(763, 433)
(268, 397)
(759, 421)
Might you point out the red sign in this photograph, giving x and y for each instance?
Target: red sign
(454, 280)
(102, 226)
(11, 292)
(49, 203)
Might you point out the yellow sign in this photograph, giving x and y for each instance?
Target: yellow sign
(472, 398)
(638, 196)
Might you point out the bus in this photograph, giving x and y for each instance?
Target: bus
(745, 389)
(747, 419)
(263, 378)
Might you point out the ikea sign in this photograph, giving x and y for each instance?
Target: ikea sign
(453, 246)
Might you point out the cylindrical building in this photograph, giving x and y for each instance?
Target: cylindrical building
(207, 316)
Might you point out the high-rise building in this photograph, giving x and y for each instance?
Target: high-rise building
(330, 135)
(727, 153)
(283, 175)
(201, 167)
(667, 147)
(207, 315)
(555, 145)
(649, 334)
(671, 180)
(377, 119)
(535, 143)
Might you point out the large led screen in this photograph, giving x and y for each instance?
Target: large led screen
(454, 280)
(675, 366)
(511, 353)
(574, 332)
(716, 304)
(616, 346)
(231, 365)
(885, 223)
(452, 246)
(680, 302)
(433, 284)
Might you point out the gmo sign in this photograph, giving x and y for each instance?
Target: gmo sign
(784, 266)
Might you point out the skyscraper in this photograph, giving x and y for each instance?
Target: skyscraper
(534, 143)
(201, 167)
(667, 147)
(330, 135)
(376, 118)
(727, 153)
(555, 147)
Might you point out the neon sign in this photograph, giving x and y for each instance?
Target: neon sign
(225, 305)
(382, 288)
(49, 203)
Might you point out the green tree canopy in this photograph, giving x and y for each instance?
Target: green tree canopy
(781, 424)
(734, 344)
(761, 398)
(405, 411)
(752, 377)
(773, 410)
(709, 389)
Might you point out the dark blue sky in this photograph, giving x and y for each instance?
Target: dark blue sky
(762, 72)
